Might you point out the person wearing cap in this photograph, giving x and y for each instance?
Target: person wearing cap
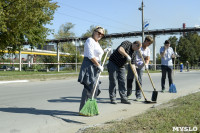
(140, 66)
(167, 54)
(91, 65)
(116, 69)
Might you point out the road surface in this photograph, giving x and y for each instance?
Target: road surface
(52, 106)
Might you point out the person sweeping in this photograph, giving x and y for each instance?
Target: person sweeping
(91, 66)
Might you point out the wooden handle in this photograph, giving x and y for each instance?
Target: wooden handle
(134, 72)
(99, 75)
(147, 71)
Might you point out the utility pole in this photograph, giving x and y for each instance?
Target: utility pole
(142, 9)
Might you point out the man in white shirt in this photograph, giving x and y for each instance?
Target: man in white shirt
(145, 51)
(167, 54)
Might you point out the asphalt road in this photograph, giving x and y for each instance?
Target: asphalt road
(52, 106)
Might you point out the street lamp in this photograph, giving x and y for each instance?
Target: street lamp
(75, 43)
(141, 9)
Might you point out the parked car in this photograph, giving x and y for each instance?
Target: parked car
(14, 68)
(55, 69)
(7, 68)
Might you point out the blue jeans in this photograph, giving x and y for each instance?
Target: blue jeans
(166, 70)
(116, 74)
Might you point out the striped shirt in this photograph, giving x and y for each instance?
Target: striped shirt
(119, 59)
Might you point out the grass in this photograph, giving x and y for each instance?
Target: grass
(181, 112)
(17, 75)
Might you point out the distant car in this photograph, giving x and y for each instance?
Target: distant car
(7, 68)
(14, 68)
(53, 69)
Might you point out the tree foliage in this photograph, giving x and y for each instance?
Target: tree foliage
(24, 21)
(189, 47)
(65, 31)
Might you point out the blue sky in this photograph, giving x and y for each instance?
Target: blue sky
(123, 16)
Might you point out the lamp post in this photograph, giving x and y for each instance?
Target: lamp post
(141, 9)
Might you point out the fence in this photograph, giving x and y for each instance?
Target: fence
(66, 66)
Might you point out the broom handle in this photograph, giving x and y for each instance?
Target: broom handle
(136, 77)
(94, 90)
(147, 71)
(174, 61)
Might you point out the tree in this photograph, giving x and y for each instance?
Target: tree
(188, 48)
(173, 40)
(24, 21)
(67, 47)
(158, 58)
(65, 31)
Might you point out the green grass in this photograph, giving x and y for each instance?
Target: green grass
(30, 75)
(17, 75)
(181, 112)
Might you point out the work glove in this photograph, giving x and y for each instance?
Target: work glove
(107, 49)
(140, 64)
(100, 68)
(128, 58)
(146, 66)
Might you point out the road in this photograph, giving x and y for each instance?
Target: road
(52, 106)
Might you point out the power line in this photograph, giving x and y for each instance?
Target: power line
(107, 18)
(88, 20)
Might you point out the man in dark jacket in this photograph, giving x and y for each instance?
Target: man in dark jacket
(116, 69)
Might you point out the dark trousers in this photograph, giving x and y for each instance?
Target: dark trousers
(116, 74)
(166, 70)
(130, 78)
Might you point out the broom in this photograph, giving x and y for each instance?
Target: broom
(90, 108)
(172, 88)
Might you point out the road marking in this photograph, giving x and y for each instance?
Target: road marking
(15, 81)
(103, 76)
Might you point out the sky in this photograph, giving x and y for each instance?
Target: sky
(118, 16)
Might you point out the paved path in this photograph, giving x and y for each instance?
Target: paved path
(51, 106)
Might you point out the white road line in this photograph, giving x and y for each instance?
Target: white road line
(15, 81)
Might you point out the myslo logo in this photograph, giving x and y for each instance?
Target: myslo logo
(185, 129)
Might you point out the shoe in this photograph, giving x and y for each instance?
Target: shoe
(138, 99)
(125, 102)
(163, 90)
(98, 92)
(129, 96)
(113, 102)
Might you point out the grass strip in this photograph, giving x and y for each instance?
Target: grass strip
(181, 112)
(17, 75)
